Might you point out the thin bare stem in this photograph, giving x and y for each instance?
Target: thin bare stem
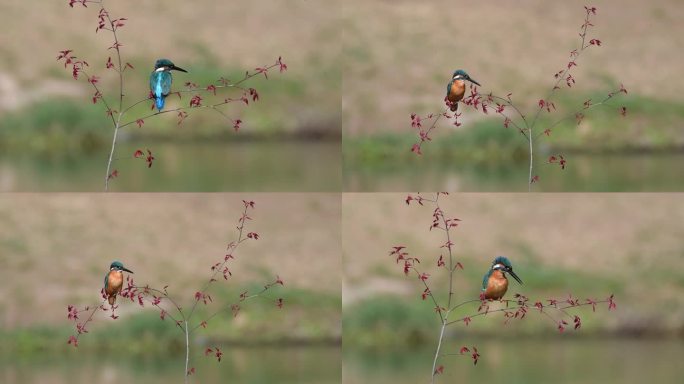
(525, 306)
(111, 153)
(529, 178)
(574, 114)
(573, 58)
(429, 293)
(234, 246)
(452, 268)
(425, 135)
(187, 351)
(89, 319)
(97, 90)
(434, 123)
(439, 347)
(212, 106)
(464, 303)
(510, 103)
(451, 257)
(120, 71)
(227, 307)
(163, 295)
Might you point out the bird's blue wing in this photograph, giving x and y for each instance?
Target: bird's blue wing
(160, 83)
(153, 81)
(486, 279)
(166, 83)
(160, 86)
(449, 87)
(106, 281)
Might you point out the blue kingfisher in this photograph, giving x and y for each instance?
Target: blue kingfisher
(160, 81)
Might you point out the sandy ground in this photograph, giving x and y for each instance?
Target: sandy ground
(238, 33)
(399, 55)
(631, 238)
(56, 248)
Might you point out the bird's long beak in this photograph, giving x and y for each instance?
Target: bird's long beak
(129, 271)
(511, 271)
(183, 70)
(475, 82)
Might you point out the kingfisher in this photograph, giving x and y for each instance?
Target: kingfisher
(495, 284)
(456, 88)
(160, 81)
(114, 280)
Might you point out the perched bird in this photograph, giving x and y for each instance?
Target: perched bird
(114, 280)
(495, 284)
(160, 81)
(456, 88)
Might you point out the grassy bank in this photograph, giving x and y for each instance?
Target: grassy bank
(76, 125)
(651, 125)
(393, 321)
(307, 318)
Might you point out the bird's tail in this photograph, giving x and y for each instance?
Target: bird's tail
(159, 103)
(112, 298)
(454, 107)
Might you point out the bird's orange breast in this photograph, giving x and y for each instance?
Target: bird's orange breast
(496, 286)
(114, 282)
(456, 91)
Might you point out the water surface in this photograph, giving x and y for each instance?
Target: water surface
(510, 361)
(192, 167)
(292, 365)
(584, 173)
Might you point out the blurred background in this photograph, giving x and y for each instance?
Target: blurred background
(587, 245)
(59, 254)
(400, 55)
(52, 138)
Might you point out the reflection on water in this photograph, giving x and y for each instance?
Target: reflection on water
(192, 167)
(239, 365)
(584, 173)
(566, 360)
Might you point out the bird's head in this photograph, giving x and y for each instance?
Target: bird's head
(166, 65)
(504, 265)
(118, 266)
(460, 74)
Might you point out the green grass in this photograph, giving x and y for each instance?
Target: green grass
(308, 317)
(389, 320)
(393, 320)
(650, 125)
(487, 142)
(59, 126)
(316, 314)
(63, 125)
